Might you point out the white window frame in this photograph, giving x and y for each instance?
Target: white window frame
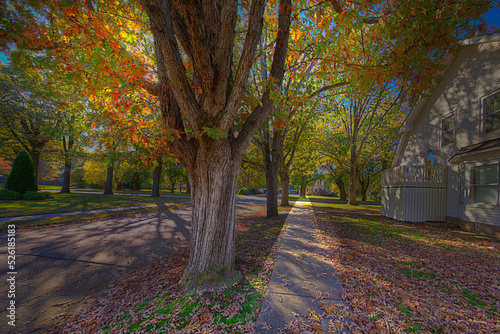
(483, 114)
(473, 186)
(441, 129)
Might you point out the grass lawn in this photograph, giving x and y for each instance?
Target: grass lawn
(78, 202)
(411, 277)
(151, 300)
(335, 202)
(123, 191)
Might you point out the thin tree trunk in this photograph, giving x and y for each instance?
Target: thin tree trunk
(303, 187)
(172, 186)
(364, 188)
(157, 178)
(67, 175)
(271, 170)
(213, 185)
(353, 177)
(35, 156)
(108, 188)
(118, 185)
(188, 187)
(67, 146)
(135, 181)
(285, 187)
(342, 192)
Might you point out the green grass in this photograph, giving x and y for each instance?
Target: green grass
(123, 191)
(335, 202)
(78, 202)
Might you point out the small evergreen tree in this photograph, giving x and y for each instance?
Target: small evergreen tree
(22, 176)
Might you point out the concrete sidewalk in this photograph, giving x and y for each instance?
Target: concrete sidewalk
(304, 291)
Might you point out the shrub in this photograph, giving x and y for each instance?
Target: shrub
(35, 195)
(9, 194)
(22, 176)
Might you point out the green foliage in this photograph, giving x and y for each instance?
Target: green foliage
(95, 173)
(78, 177)
(248, 191)
(9, 195)
(22, 176)
(36, 195)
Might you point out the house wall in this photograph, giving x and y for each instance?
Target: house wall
(473, 75)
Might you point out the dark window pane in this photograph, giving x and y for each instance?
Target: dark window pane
(486, 194)
(485, 174)
(492, 113)
(447, 138)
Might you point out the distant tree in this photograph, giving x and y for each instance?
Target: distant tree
(22, 176)
(27, 112)
(173, 172)
(5, 166)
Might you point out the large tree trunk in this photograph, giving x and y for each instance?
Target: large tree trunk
(353, 177)
(108, 188)
(157, 178)
(285, 187)
(342, 193)
(303, 186)
(67, 175)
(213, 185)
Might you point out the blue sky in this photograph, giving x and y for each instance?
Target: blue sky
(493, 17)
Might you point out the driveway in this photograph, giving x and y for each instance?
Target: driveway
(61, 269)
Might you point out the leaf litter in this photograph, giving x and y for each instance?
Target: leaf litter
(150, 300)
(411, 277)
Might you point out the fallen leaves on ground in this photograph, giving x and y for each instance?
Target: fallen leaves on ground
(151, 300)
(412, 278)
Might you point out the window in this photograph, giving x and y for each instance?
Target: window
(485, 184)
(430, 161)
(491, 112)
(448, 130)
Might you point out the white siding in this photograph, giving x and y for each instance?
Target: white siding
(473, 75)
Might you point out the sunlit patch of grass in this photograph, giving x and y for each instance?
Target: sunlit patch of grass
(85, 218)
(79, 202)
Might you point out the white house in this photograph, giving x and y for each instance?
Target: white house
(447, 164)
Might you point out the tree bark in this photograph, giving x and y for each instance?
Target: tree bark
(285, 188)
(67, 175)
(67, 147)
(303, 187)
(172, 185)
(155, 192)
(135, 181)
(35, 156)
(342, 193)
(271, 170)
(213, 185)
(108, 188)
(353, 177)
(364, 187)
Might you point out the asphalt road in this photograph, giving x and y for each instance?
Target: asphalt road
(61, 269)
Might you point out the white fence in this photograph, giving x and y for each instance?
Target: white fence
(414, 193)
